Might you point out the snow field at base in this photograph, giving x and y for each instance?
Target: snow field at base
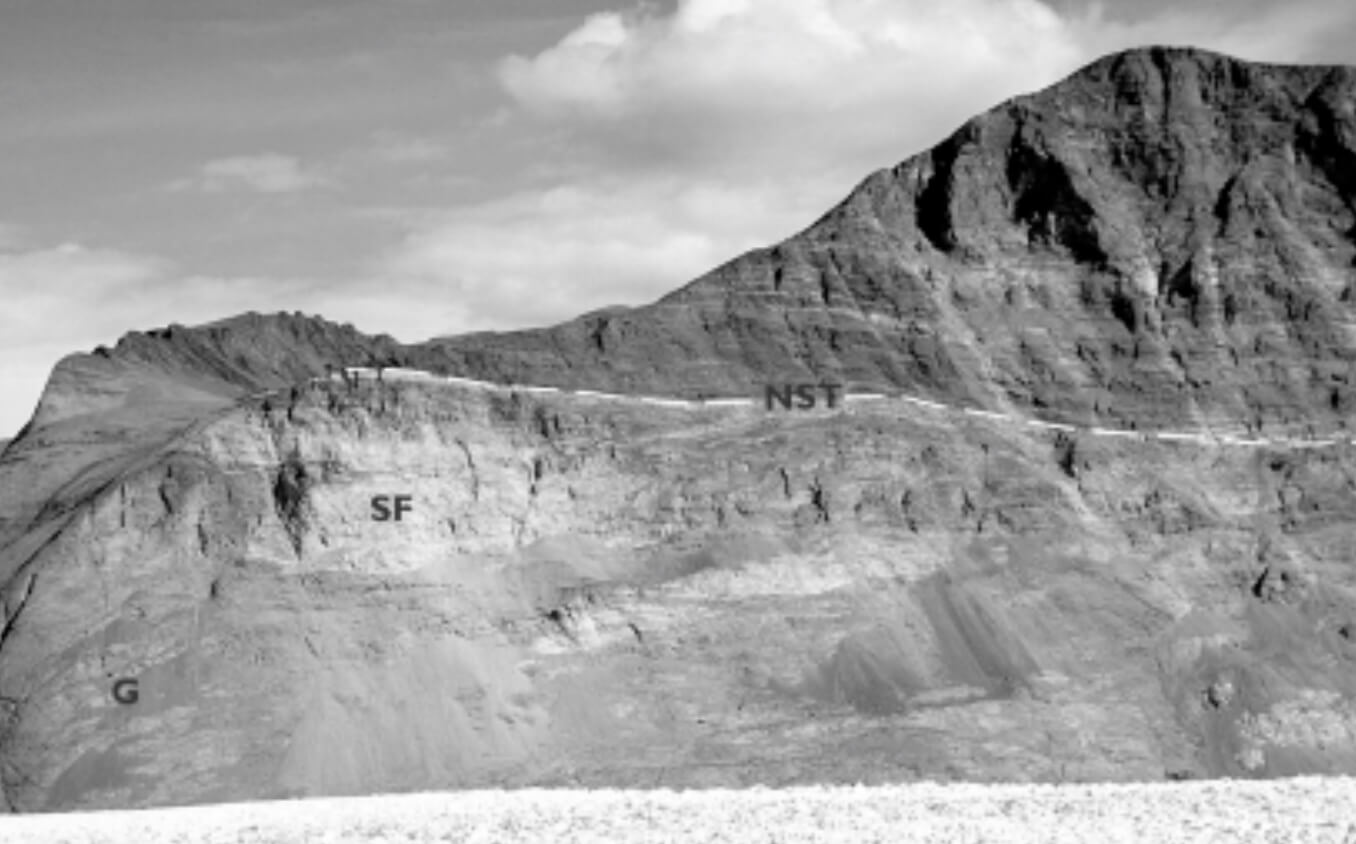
(1306, 809)
(1205, 438)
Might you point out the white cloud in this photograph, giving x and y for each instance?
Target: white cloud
(40, 286)
(542, 256)
(776, 84)
(728, 124)
(678, 140)
(883, 64)
(663, 144)
(267, 173)
(1285, 33)
(53, 298)
(790, 88)
(70, 298)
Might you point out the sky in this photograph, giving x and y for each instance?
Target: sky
(431, 167)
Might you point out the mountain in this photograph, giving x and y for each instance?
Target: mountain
(226, 576)
(101, 413)
(1166, 237)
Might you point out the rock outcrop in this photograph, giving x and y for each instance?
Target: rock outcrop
(225, 575)
(1165, 237)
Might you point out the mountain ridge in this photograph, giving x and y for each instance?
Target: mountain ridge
(595, 593)
(1112, 203)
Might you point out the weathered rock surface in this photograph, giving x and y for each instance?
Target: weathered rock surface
(606, 593)
(1166, 236)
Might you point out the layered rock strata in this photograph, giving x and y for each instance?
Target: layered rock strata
(207, 594)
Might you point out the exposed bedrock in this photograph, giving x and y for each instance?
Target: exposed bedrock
(635, 595)
(222, 580)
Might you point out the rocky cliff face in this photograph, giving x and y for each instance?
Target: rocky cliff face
(225, 359)
(223, 580)
(1165, 237)
(101, 413)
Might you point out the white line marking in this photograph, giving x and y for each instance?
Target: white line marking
(415, 374)
(1117, 432)
(1178, 435)
(923, 402)
(1203, 437)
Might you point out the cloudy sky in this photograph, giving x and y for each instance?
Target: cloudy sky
(427, 167)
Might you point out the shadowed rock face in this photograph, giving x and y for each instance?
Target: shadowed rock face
(606, 593)
(1165, 235)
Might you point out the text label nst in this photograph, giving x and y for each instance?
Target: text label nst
(801, 396)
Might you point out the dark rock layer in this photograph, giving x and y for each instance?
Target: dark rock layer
(1167, 234)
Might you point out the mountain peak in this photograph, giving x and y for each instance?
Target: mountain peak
(216, 361)
(1137, 243)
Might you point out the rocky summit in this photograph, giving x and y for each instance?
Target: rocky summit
(1084, 512)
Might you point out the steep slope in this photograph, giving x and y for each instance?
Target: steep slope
(1168, 235)
(101, 412)
(588, 592)
(228, 358)
(596, 592)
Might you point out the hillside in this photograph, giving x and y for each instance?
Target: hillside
(579, 590)
(1166, 236)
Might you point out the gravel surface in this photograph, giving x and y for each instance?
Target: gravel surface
(1309, 809)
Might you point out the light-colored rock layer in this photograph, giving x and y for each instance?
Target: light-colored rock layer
(601, 593)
